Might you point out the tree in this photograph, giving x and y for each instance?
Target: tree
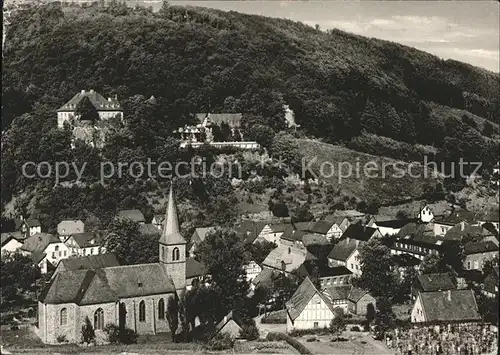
(262, 134)
(172, 315)
(88, 333)
(124, 237)
(303, 214)
(259, 250)
(488, 129)
(402, 214)
(286, 148)
(338, 323)
(370, 313)
(249, 331)
(377, 275)
(86, 110)
(224, 254)
(384, 317)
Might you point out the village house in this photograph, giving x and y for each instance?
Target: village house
(491, 282)
(491, 217)
(230, 324)
(443, 224)
(196, 273)
(133, 215)
(330, 229)
(131, 295)
(41, 260)
(477, 253)
(464, 229)
(451, 306)
(292, 238)
(106, 108)
(285, 259)
(359, 301)
(273, 232)
(252, 269)
(425, 215)
(149, 229)
(198, 236)
(48, 244)
(390, 227)
(264, 278)
(158, 220)
(342, 222)
(309, 308)
(69, 227)
(345, 253)
(339, 297)
(31, 226)
(92, 262)
(83, 244)
(249, 230)
(12, 241)
(327, 276)
(203, 131)
(431, 283)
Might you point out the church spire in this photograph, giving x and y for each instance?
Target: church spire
(170, 233)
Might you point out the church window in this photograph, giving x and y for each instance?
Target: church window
(161, 309)
(64, 316)
(99, 319)
(175, 254)
(162, 252)
(142, 311)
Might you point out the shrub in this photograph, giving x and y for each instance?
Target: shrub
(311, 339)
(61, 338)
(269, 320)
(88, 333)
(355, 329)
(291, 341)
(249, 332)
(302, 332)
(221, 341)
(123, 336)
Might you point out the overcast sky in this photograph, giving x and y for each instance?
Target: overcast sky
(463, 30)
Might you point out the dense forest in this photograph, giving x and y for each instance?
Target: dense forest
(371, 95)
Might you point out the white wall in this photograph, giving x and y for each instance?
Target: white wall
(252, 269)
(53, 255)
(354, 264)
(11, 246)
(417, 313)
(316, 311)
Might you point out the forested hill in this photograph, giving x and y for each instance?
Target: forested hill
(200, 60)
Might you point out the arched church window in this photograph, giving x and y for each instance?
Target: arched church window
(142, 311)
(99, 319)
(161, 309)
(64, 317)
(176, 254)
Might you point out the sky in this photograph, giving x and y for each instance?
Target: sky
(467, 31)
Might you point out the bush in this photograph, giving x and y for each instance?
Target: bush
(269, 320)
(312, 339)
(249, 332)
(221, 341)
(88, 333)
(61, 338)
(302, 332)
(355, 329)
(291, 341)
(123, 336)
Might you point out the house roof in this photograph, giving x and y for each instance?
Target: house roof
(18, 223)
(38, 256)
(86, 240)
(339, 292)
(342, 250)
(200, 234)
(355, 294)
(455, 217)
(394, 223)
(451, 305)
(322, 227)
(335, 219)
(416, 228)
(194, 268)
(32, 222)
(405, 260)
(480, 247)
(99, 102)
(107, 284)
(149, 229)
(359, 232)
(303, 226)
(463, 229)
(171, 234)
(249, 230)
(265, 277)
(98, 261)
(134, 215)
(314, 239)
(291, 257)
(302, 296)
(435, 282)
(280, 227)
(69, 227)
(232, 119)
(38, 242)
(293, 235)
(491, 216)
(159, 218)
(232, 315)
(19, 236)
(307, 269)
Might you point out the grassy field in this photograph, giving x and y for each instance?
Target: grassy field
(384, 185)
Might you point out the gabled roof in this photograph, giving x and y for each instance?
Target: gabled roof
(89, 262)
(394, 223)
(303, 226)
(307, 269)
(293, 235)
(343, 250)
(38, 242)
(159, 218)
(435, 282)
(134, 215)
(149, 229)
(19, 236)
(232, 315)
(355, 294)
(170, 234)
(200, 234)
(292, 258)
(359, 232)
(455, 217)
(415, 229)
(491, 216)
(107, 284)
(463, 229)
(249, 230)
(335, 219)
(32, 222)
(194, 268)
(69, 227)
(338, 293)
(86, 240)
(265, 277)
(314, 239)
(451, 305)
(322, 227)
(302, 296)
(99, 102)
(280, 227)
(38, 256)
(480, 247)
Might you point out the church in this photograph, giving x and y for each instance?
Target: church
(135, 296)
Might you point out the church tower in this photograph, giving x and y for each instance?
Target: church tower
(172, 246)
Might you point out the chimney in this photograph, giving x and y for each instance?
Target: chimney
(83, 91)
(449, 295)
